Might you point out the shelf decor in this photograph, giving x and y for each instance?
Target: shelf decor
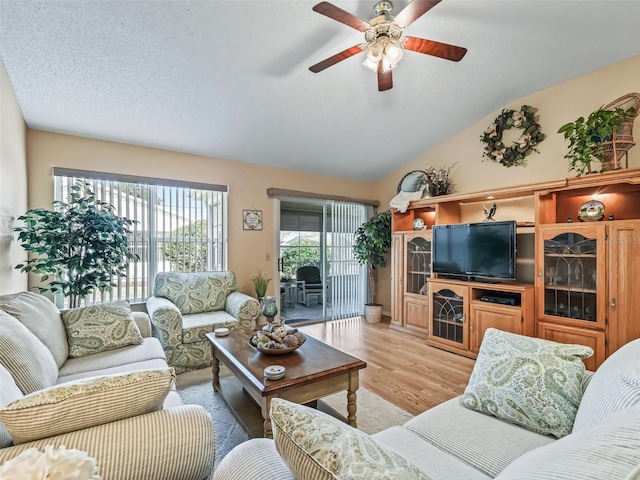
(513, 155)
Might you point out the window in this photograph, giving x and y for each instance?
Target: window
(179, 226)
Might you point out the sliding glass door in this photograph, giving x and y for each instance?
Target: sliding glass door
(319, 277)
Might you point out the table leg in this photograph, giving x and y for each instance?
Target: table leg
(266, 408)
(352, 406)
(215, 370)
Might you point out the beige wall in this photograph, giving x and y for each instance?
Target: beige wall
(247, 250)
(13, 185)
(556, 106)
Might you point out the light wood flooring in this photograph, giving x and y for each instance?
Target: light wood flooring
(401, 368)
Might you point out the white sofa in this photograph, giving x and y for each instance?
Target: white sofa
(453, 442)
(142, 446)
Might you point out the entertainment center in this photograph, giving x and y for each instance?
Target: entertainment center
(575, 281)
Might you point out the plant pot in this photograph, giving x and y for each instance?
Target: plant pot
(373, 313)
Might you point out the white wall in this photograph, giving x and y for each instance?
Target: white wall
(13, 185)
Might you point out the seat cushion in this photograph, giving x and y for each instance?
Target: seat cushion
(197, 325)
(528, 381)
(455, 429)
(85, 403)
(608, 450)
(100, 327)
(614, 386)
(195, 292)
(155, 364)
(436, 463)
(149, 349)
(316, 445)
(30, 363)
(42, 318)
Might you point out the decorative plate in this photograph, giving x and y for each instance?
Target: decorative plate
(418, 224)
(591, 211)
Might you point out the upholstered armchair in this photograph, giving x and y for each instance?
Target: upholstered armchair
(186, 306)
(309, 284)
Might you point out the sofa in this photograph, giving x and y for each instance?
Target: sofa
(95, 380)
(186, 306)
(595, 432)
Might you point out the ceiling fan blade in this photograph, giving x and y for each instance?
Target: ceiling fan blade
(414, 11)
(338, 57)
(342, 16)
(437, 49)
(385, 79)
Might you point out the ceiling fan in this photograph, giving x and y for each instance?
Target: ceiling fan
(385, 44)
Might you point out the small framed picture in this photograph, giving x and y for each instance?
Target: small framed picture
(252, 219)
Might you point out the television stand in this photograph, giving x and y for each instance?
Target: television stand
(461, 311)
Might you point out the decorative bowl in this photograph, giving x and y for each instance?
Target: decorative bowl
(276, 351)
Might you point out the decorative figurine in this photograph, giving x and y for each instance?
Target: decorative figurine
(489, 213)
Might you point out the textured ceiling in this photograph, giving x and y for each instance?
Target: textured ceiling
(230, 79)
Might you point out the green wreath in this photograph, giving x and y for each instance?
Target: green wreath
(515, 154)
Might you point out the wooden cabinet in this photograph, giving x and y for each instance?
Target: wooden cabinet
(411, 266)
(595, 339)
(462, 311)
(582, 282)
(486, 315)
(588, 272)
(623, 301)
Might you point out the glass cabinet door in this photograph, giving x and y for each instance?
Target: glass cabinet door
(418, 263)
(448, 314)
(571, 273)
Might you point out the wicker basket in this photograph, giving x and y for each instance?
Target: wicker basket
(611, 153)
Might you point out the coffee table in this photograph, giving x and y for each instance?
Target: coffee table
(313, 371)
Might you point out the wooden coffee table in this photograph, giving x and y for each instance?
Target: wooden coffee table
(313, 371)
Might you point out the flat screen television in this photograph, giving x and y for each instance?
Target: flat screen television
(486, 250)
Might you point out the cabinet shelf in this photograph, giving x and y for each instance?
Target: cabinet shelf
(568, 288)
(449, 321)
(570, 255)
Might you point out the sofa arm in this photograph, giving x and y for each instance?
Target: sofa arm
(174, 444)
(256, 458)
(167, 324)
(243, 307)
(143, 322)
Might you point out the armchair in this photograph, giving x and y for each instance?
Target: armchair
(186, 306)
(309, 284)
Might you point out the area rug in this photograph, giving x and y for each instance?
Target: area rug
(373, 414)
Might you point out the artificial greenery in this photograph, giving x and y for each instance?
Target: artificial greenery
(81, 244)
(585, 136)
(439, 180)
(513, 155)
(260, 283)
(372, 243)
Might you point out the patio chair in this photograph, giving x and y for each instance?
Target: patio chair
(309, 284)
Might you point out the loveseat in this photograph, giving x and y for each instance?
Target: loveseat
(597, 422)
(93, 379)
(186, 306)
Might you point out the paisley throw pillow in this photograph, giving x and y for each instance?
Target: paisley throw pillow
(531, 382)
(100, 327)
(316, 445)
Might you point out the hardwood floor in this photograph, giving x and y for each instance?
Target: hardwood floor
(401, 368)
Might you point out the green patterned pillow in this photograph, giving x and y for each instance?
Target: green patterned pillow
(100, 327)
(86, 403)
(316, 445)
(531, 382)
(196, 292)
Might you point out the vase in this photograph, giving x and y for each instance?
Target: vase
(269, 306)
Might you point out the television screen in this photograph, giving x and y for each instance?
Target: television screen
(485, 249)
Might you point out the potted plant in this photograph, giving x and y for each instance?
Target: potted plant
(586, 137)
(260, 284)
(372, 243)
(82, 244)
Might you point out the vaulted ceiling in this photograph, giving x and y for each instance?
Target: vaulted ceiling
(230, 79)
